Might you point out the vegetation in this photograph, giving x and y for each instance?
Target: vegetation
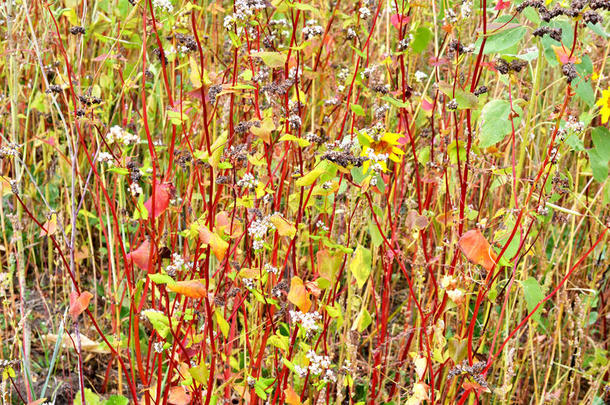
(284, 202)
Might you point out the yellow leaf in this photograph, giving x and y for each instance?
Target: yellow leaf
(309, 178)
(195, 74)
(264, 131)
(271, 59)
(298, 295)
(283, 227)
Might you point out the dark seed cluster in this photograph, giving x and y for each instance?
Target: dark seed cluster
(554, 33)
(569, 71)
(343, 158)
(77, 30)
(505, 67)
(480, 90)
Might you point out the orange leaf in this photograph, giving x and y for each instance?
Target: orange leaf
(50, 226)
(477, 249)
(474, 386)
(298, 294)
(563, 55)
(37, 402)
(189, 288)
(313, 288)
(219, 246)
(141, 256)
(163, 193)
(179, 396)
(79, 303)
(291, 397)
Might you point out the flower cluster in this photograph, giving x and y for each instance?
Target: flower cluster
(165, 5)
(247, 181)
(307, 320)
(105, 157)
(271, 269)
(178, 263)
(119, 135)
(135, 189)
(258, 230)
(312, 29)
(244, 10)
(320, 364)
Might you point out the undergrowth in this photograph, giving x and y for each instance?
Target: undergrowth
(269, 202)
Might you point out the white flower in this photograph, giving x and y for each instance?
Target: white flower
(321, 225)
(456, 295)
(271, 269)
(248, 282)
(105, 157)
(307, 321)
(466, 9)
(317, 364)
(301, 371)
(364, 12)
(118, 134)
(420, 76)
(312, 29)
(165, 5)
(135, 189)
(158, 347)
(247, 181)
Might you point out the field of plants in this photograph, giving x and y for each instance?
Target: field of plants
(304, 203)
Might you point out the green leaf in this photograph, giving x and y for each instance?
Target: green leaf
(376, 238)
(271, 59)
(306, 7)
(599, 156)
(260, 392)
(421, 38)
(91, 398)
(118, 170)
(503, 40)
(533, 295)
(116, 400)
(494, 122)
(584, 91)
(159, 278)
(395, 102)
(159, 321)
(279, 341)
(357, 109)
(360, 265)
(363, 320)
(199, 373)
(465, 99)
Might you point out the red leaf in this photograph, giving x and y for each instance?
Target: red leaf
(163, 193)
(434, 61)
(563, 55)
(141, 256)
(501, 5)
(398, 20)
(79, 303)
(476, 248)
